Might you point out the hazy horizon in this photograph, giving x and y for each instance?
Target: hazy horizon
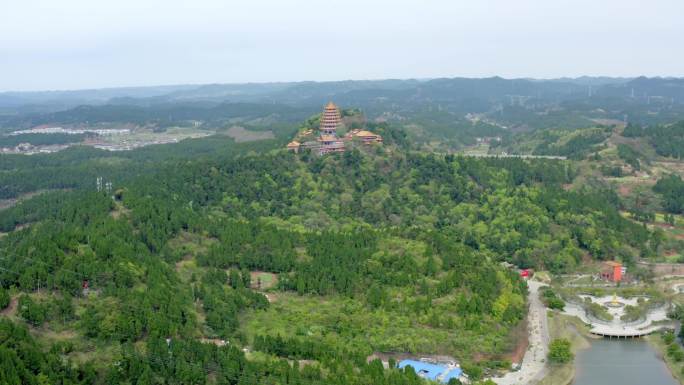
(76, 44)
(327, 81)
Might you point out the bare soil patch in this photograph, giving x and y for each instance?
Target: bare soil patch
(180, 264)
(215, 341)
(624, 190)
(11, 309)
(520, 335)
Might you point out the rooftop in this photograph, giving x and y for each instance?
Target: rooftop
(435, 372)
(365, 133)
(328, 138)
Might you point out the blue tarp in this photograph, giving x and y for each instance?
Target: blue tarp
(423, 369)
(431, 371)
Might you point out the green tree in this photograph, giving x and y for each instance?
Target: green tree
(431, 267)
(560, 351)
(4, 298)
(32, 311)
(473, 371)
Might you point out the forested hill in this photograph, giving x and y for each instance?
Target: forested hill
(387, 250)
(79, 167)
(215, 114)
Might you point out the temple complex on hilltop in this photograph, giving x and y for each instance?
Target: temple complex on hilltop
(328, 140)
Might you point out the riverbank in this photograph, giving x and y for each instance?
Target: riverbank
(572, 329)
(675, 368)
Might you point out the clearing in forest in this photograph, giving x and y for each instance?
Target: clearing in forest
(262, 280)
(240, 134)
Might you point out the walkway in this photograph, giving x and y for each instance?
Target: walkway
(617, 328)
(533, 365)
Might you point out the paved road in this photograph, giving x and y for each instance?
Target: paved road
(533, 365)
(520, 156)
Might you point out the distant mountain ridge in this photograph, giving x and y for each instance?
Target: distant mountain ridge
(314, 92)
(525, 103)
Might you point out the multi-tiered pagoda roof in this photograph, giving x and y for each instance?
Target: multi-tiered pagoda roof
(330, 120)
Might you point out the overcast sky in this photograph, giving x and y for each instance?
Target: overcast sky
(72, 44)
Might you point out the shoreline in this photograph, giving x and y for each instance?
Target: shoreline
(676, 369)
(571, 328)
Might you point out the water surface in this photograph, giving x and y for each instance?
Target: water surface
(621, 362)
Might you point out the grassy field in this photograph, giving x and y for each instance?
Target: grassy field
(479, 149)
(240, 134)
(572, 329)
(263, 280)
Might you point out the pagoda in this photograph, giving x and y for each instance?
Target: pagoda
(330, 121)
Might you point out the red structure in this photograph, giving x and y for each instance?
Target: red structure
(612, 271)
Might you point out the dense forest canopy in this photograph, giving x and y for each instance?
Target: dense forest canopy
(385, 232)
(671, 188)
(667, 139)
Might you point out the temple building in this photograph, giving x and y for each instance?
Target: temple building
(366, 137)
(612, 271)
(294, 146)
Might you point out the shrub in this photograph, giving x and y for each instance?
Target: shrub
(33, 312)
(559, 351)
(551, 300)
(472, 370)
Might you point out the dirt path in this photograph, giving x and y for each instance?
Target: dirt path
(533, 365)
(11, 309)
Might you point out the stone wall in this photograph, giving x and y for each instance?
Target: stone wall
(661, 269)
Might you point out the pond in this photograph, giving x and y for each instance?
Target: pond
(621, 362)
